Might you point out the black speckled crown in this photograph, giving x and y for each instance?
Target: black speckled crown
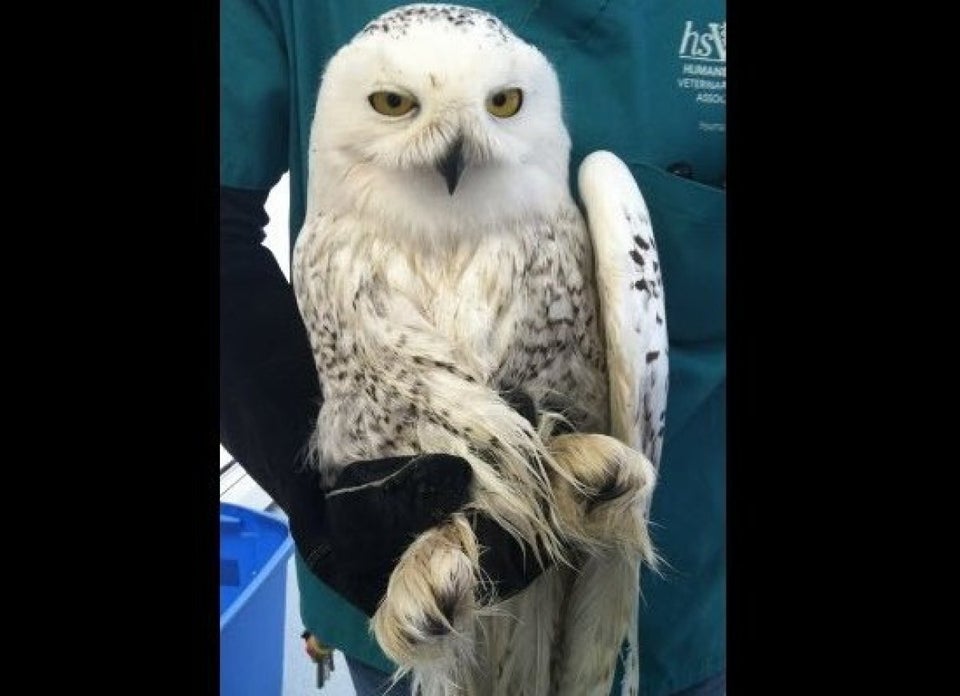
(396, 22)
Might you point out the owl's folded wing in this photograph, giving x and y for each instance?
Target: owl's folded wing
(631, 301)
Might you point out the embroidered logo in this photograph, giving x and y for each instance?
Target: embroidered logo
(709, 44)
(703, 60)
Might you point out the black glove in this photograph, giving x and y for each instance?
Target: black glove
(377, 508)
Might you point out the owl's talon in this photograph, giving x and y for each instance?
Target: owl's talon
(431, 596)
(615, 485)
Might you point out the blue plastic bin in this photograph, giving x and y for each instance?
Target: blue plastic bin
(254, 548)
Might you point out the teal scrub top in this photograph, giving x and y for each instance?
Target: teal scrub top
(645, 79)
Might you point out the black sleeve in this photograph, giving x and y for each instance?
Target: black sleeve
(269, 390)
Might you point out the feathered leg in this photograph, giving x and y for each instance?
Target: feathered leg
(608, 520)
(429, 622)
(425, 622)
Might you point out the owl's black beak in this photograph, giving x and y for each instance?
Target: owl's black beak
(451, 165)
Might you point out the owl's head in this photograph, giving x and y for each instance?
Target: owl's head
(438, 119)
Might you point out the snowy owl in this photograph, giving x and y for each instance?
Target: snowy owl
(443, 264)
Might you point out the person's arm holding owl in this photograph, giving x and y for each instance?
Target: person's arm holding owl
(269, 398)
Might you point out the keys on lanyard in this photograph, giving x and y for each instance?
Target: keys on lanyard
(321, 654)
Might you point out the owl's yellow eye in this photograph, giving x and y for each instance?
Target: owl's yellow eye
(391, 103)
(505, 103)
